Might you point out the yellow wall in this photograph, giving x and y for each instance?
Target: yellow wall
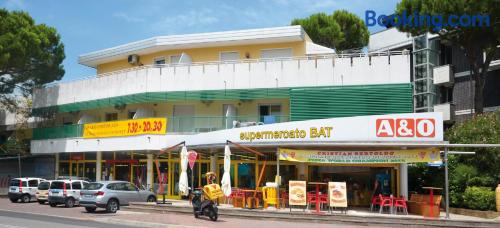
(164, 109)
(204, 54)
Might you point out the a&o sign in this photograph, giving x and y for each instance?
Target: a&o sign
(406, 127)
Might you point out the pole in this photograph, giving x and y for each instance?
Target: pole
(446, 183)
(278, 172)
(19, 163)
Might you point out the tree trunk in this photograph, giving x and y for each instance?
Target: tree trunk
(478, 92)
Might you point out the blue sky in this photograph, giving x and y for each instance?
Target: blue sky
(91, 25)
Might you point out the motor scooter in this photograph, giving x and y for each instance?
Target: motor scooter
(204, 207)
(204, 202)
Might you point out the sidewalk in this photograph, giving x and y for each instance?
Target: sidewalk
(357, 216)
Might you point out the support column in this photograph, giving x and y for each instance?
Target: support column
(98, 166)
(149, 172)
(446, 184)
(403, 179)
(213, 161)
(56, 166)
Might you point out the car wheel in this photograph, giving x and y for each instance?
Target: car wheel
(151, 199)
(14, 200)
(112, 206)
(41, 202)
(90, 209)
(53, 204)
(70, 202)
(25, 198)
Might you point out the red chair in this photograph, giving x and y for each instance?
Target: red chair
(284, 199)
(311, 199)
(375, 202)
(323, 200)
(400, 203)
(385, 202)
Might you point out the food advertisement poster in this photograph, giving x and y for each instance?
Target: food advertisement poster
(337, 194)
(297, 193)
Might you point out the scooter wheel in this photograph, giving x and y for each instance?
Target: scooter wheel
(212, 214)
(196, 215)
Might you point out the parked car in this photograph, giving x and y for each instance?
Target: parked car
(65, 192)
(42, 194)
(23, 188)
(113, 194)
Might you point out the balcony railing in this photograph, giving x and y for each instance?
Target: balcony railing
(176, 124)
(331, 70)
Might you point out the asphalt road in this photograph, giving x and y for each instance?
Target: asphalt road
(9, 219)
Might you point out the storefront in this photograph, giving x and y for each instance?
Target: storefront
(399, 133)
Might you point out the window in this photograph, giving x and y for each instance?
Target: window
(68, 186)
(57, 185)
(268, 112)
(159, 61)
(94, 186)
(131, 114)
(130, 187)
(76, 185)
(111, 116)
(33, 183)
(44, 186)
(175, 59)
(15, 183)
(276, 53)
(111, 187)
(229, 56)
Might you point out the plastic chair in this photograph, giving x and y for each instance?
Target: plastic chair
(400, 203)
(323, 200)
(385, 202)
(375, 201)
(270, 196)
(311, 199)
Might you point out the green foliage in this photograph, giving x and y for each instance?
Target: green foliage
(341, 30)
(479, 198)
(474, 40)
(481, 169)
(30, 55)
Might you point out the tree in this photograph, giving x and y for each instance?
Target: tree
(341, 30)
(473, 40)
(30, 56)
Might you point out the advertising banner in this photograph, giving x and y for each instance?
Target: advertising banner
(337, 194)
(297, 193)
(151, 126)
(357, 157)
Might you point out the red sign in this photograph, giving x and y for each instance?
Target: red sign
(76, 156)
(192, 155)
(406, 127)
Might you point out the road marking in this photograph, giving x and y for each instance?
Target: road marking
(11, 226)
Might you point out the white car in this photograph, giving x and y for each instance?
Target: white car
(23, 189)
(65, 192)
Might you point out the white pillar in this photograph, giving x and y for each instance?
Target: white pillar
(213, 161)
(98, 166)
(149, 173)
(403, 179)
(56, 166)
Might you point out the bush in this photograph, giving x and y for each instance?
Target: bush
(479, 198)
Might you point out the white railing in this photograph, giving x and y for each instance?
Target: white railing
(328, 70)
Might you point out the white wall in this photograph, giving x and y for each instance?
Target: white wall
(388, 39)
(263, 74)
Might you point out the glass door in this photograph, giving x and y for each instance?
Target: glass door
(175, 171)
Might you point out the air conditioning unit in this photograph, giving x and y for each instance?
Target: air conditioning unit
(133, 59)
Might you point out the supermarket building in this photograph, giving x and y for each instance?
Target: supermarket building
(214, 87)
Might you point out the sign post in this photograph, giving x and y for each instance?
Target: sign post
(192, 155)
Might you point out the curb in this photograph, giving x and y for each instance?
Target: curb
(328, 218)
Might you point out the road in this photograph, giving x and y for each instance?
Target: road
(15, 215)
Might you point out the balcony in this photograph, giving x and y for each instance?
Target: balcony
(443, 75)
(448, 111)
(157, 81)
(176, 125)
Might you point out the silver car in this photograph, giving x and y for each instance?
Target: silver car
(112, 194)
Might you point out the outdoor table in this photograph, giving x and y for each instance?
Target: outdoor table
(317, 194)
(431, 198)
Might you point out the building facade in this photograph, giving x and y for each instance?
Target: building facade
(441, 75)
(212, 82)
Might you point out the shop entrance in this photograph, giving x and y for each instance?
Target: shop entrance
(362, 181)
(119, 169)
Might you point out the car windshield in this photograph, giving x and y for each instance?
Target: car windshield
(15, 183)
(93, 186)
(57, 185)
(44, 186)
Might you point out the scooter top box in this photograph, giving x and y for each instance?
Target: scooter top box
(212, 191)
